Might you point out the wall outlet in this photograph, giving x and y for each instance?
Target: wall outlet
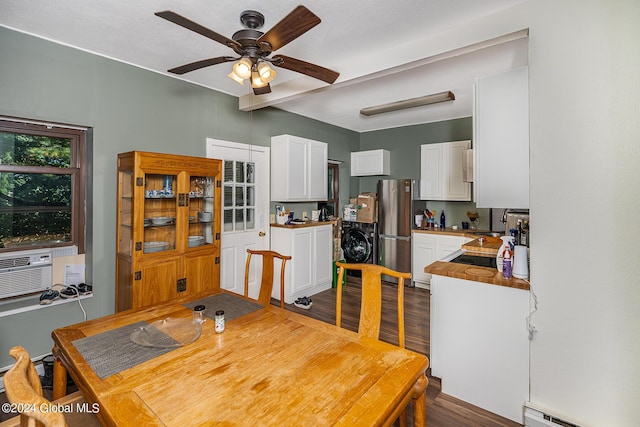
(272, 218)
(304, 216)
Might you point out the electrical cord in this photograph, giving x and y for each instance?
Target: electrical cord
(532, 329)
(64, 294)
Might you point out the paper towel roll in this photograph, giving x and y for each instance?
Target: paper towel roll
(520, 263)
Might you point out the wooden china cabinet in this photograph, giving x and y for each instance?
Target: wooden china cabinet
(168, 232)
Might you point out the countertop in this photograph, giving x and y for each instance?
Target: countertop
(306, 224)
(484, 245)
(475, 273)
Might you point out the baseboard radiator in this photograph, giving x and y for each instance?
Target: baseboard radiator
(534, 417)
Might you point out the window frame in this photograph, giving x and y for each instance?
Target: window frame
(335, 184)
(77, 170)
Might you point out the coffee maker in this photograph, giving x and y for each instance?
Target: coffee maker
(518, 220)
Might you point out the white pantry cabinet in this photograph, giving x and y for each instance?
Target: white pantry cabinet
(310, 269)
(298, 169)
(428, 248)
(370, 163)
(441, 168)
(501, 140)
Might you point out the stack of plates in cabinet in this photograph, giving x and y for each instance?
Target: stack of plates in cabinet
(205, 216)
(147, 222)
(196, 241)
(162, 220)
(151, 247)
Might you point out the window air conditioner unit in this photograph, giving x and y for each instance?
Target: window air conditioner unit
(24, 272)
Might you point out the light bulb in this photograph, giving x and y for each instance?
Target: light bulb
(256, 81)
(242, 68)
(266, 73)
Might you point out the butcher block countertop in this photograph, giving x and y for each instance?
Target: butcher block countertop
(475, 273)
(483, 245)
(305, 224)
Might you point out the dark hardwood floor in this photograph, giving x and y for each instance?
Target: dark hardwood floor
(442, 410)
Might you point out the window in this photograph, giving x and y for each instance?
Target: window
(333, 192)
(42, 186)
(239, 196)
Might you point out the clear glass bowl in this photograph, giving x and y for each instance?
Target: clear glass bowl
(170, 332)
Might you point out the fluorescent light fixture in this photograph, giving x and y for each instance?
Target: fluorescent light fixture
(409, 103)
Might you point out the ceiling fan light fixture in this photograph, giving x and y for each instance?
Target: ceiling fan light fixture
(233, 76)
(267, 74)
(242, 68)
(256, 81)
(409, 103)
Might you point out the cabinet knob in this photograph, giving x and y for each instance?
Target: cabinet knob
(262, 234)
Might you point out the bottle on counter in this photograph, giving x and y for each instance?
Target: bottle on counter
(442, 221)
(507, 259)
(507, 241)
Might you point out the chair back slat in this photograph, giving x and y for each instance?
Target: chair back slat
(268, 268)
(371, 303)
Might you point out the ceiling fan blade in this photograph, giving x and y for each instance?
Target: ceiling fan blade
(262, 90)
(190, 25)
(311, 70)
(201, 64)
(292, 26)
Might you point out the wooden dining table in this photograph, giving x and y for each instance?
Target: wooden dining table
(270, 366)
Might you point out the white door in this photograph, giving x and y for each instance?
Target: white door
(245, 214)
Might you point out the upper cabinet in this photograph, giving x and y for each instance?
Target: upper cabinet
(441, 171)
(298, 169)
(501, 144)
(371, 162)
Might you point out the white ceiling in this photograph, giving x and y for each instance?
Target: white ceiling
(385, 51)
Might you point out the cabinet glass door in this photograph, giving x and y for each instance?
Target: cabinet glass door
(160, 213)
(125, 236)
(201, 210)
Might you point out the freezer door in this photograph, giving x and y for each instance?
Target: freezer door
(394, 252)
(395, 216)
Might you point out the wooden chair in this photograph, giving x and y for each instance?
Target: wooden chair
(371, 317)
(23, 389)
(266, 284)
(371, 304)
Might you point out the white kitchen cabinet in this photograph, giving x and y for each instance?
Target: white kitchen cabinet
(298, 169)
(441, 176)
(428, 248)
(370, 162)
(310, 269)
(479, 344)
(501, 140)
(423, 253)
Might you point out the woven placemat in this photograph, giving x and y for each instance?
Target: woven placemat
(233, 306)
(112, 351)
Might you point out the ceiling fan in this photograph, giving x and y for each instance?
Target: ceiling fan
(255, 48)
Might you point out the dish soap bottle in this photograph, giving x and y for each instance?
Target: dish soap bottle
(506, 243)
(442, 220)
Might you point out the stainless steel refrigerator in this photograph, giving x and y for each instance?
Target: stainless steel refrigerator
(395, 216)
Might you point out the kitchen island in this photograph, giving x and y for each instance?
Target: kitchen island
(479, 337)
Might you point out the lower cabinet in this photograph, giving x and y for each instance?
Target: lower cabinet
(310, 269)
(428, 248)
(479, 344)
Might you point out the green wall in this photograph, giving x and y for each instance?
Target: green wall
(404, 147)
(128, 109)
